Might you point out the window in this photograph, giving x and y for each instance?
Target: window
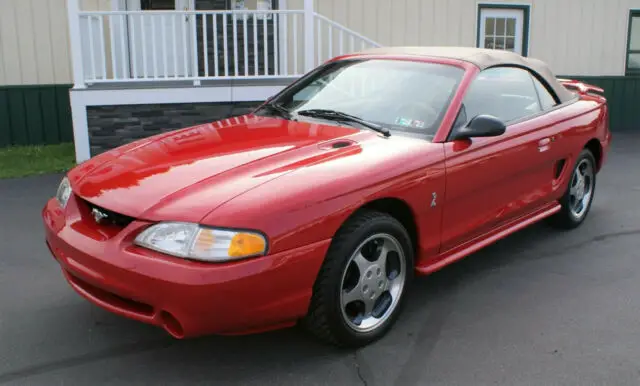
(507, 93)
(633, 45)
(410, 98)
(503, 27)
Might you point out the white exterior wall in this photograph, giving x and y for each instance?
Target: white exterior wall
(576, 37)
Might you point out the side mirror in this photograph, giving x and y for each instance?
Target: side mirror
(481, 126)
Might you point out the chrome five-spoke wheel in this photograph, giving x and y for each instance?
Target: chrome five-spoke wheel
(372, 282)
(576, 201)
(581, 188)
(360, 288)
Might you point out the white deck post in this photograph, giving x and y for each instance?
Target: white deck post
(78, 108)
(76, 44)
(309, 38)
(80, 125)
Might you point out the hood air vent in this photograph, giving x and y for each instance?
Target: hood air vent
(338, 144)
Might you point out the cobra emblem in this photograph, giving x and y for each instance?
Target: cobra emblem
(434, 195)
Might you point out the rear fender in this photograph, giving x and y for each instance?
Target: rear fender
(603, 133)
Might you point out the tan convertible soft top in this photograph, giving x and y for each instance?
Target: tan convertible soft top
(482, 58)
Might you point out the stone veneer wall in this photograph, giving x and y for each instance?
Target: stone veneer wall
(113, 126)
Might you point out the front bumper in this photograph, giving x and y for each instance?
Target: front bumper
(184, 297)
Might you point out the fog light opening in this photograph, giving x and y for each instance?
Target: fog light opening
(171, 325)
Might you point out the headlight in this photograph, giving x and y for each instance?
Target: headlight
(191, 241)
(64, 192)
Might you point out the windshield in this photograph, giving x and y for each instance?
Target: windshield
(408, 98)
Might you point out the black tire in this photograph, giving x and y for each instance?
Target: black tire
(325, 318)
(565, 219)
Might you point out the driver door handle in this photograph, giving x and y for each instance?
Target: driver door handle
(544, 144)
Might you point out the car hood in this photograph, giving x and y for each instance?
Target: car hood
(185, 174)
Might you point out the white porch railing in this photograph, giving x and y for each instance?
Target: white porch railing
(160, 46)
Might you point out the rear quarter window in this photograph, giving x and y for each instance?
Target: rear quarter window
(547, 101)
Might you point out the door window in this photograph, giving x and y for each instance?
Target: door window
(507, 93)
(502, 29)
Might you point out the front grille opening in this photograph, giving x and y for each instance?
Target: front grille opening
(113, 299)
(108, 217)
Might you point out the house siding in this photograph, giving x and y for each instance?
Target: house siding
(580, 37)
(34, 41)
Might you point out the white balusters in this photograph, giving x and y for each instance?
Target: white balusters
(112, 44)
(235, 43)
(165, 53)
(124, 63)
(165, 45)
(185, 58)
(143, 33)
(245, 44)
(195, 59)
(226, 50)
(276, 69)
(255, 45)
(215, 45)
(285, 43)
(205, 45)
(265, 46)
(103, 50)
(174, 45)
(154, 45)
(92, 56)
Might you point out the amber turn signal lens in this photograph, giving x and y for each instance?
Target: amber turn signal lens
(246, 244)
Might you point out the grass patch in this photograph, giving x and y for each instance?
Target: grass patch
(21, 161)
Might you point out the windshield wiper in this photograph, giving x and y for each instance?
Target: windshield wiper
(340, 116)
(278, 109)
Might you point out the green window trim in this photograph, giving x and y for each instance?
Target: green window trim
(634, 13)
(526, 10)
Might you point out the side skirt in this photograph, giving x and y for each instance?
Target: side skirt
(494, 235)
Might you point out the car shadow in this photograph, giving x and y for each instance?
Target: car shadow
(238, 359)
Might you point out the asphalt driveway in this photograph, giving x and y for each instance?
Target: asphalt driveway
(539, 308)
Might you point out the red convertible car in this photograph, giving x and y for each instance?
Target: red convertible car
(321, 205)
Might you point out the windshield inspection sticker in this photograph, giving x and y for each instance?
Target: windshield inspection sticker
(410, 123)
(403, 121)
(418, 124)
